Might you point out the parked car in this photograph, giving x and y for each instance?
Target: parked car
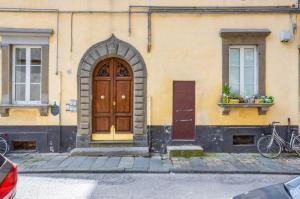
(8, 178)
(288, 190)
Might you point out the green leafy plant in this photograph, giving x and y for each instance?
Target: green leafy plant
(267, 99)
(226, 93)
(226, 90)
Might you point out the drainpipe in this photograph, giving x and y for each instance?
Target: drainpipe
(60, 110)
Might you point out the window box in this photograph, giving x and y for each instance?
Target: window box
(261, 108)
(43, 108)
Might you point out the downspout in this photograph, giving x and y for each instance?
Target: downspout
(60, 108)
(57, 36)
(149, 32)
(58, 73)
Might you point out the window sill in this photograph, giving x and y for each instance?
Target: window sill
(261, 108)
(43, 108)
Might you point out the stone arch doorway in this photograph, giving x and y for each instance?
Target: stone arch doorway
(112, 100)
(111, 48)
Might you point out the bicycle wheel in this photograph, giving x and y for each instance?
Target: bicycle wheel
(296, 145)
(268, 148)
(3, 146)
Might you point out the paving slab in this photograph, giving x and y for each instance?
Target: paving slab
(111, 165)
(199, 165)
(77, 161)
(159, 166)
(99, 162)
(126, 162)
(141, 164)
(54, 162)
(86, 165)
(65, 163)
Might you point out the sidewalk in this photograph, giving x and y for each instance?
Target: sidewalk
(249, 163)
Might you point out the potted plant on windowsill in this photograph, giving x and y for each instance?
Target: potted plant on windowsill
(235, 98)
(226, 93)
(267, 99)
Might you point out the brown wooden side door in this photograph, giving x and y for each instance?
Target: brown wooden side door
(112, 101)
(183, 110)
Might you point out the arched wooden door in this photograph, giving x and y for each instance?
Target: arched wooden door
(112, 100)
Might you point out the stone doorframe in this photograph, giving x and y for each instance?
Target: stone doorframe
(111, 47)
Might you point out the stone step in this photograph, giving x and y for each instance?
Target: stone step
(111, 151)
(111, 144)
(186, 151)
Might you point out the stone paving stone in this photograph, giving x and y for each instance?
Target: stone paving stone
(66, 162)
(126, 162)
(216, 164)
(54, 162)
(167, 164)
(290, 162)
(235, 162)
(18, 158)
(36, 160)
(77, 161)
(251, 163)
(87, 163)
(198, 164)
(158, 165)
(141, 164)
(181, 165)
(99, 162)
(275, 166)
(112, 163)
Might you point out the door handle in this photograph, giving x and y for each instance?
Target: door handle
(114, 103)
(102, 97)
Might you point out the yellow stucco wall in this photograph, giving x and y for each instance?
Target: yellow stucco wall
(123, 4)
(184, 47)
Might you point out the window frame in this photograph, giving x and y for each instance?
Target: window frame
(242, 68)
(28, 75)
(237, 36)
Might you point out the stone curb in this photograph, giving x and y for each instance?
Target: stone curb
(175, 171)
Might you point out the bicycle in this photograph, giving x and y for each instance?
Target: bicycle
(271, 146)
(3, 144)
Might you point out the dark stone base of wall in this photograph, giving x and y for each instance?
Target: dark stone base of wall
(47, 138)
(213, 138)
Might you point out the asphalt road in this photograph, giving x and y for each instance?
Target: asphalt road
(139, 186)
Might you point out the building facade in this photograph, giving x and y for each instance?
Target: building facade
(143, 73)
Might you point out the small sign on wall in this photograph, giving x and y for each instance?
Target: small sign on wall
(71, 106)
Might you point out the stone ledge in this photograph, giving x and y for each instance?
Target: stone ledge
(43, 108)
(261, 108)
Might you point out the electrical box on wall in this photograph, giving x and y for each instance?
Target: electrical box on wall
(285, 36)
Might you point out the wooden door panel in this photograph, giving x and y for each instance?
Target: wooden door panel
(102, 124)
(102, 99)
(123, 124)
(183, 110)
(123, 97)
